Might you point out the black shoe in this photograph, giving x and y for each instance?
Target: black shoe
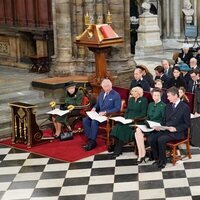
(141, 160)
(56, 136)
(111, 148)
(156, 163)
(90, 146)
(161, 165)
(114, 155)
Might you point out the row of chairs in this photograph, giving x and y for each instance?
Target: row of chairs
(74, 124)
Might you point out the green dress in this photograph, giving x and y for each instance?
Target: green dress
(155, 112)
(75, 100)
(135, 109)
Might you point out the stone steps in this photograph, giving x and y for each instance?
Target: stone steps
(15, 86)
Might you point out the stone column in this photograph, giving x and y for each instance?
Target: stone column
(149, 41)
(63, 59)
(195, 12)
(176, 12)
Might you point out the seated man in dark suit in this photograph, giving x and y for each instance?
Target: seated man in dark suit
(159, 71)
(139, 80)
(193, 85)
(177, 120)
(167, 68)
(108, 101)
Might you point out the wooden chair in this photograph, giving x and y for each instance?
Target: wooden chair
(105, 128)
(173, 148)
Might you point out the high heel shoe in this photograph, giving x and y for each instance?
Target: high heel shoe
(141, 160)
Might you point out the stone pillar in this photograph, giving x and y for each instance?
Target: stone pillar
(195, 12)
(63, 63)
(176, 12)
(148, 36)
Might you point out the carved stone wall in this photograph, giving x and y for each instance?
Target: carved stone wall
(80, 60)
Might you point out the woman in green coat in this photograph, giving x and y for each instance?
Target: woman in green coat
(156, 113)
(73, 97)
(123, 133)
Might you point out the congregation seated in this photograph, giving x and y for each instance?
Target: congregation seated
(185, 71)
(186, 54)
(73, 97)
(177, 79)
(160, 74)
(146, 75)
(123, 133)
(108, 101)
(167, 69)
(177, 120)
(156, 113)
(198, 56)
(193, 84)
(183, 97)
(193, 64)
(139, 80)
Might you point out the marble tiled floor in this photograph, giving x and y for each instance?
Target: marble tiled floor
(27, 176)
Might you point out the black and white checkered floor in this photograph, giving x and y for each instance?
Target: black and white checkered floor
(27, 176)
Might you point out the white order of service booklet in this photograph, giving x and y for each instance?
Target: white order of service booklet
(122, 120)
(95, 116)
(57, 111)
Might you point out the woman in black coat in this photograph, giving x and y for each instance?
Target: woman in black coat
(177, 79)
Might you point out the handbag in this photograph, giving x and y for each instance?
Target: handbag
(66, 136)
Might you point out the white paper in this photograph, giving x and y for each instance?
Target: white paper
(122, 120)
(57, 111)
(153, 124)
(144, 128)
(95, 116)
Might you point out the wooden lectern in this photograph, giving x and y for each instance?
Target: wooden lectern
(24, 127)
(99, 38)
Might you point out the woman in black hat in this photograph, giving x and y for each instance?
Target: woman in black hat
(73, 97)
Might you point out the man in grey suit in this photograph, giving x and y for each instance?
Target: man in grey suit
(177, 120)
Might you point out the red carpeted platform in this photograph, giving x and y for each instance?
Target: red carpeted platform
(68, 151)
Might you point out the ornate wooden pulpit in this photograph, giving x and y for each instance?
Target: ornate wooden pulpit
(99, 38)
(24, 127)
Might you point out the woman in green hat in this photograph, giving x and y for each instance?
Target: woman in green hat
(73, 98)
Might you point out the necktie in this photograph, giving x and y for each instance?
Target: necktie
(194, 87)
(105, 95)
(173, 106)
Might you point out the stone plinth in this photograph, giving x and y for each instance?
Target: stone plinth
(148, 36)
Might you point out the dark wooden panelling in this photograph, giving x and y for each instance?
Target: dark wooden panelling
(26, 13)
(2, 13)
(30, 11)
(9, 18)
(20, 12)
(43, 16)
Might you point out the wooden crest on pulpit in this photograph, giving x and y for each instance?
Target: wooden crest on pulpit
(99, 38)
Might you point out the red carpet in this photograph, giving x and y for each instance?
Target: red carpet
(69, 151)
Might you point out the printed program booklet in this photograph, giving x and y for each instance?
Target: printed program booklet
(122, 120)
(95, 116)
(153, 124)
(57, 111)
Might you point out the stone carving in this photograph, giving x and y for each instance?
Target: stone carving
(4, 48)
(146, 7)
(188, 11)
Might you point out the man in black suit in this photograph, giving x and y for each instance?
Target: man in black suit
(167, 68)
(193, 85)
(177, 120)
(139, 81)
(159, 71)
